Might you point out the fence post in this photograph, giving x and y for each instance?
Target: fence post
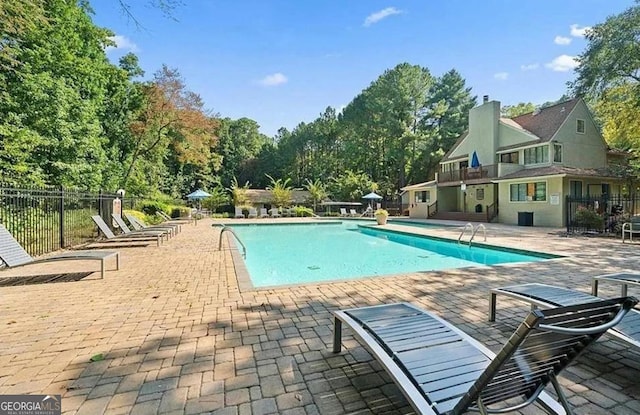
(61, 216)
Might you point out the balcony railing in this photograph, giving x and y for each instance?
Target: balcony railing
(469, 173)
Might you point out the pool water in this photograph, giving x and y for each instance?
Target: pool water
(304, 253)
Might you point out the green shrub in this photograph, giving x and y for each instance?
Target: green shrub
(151, 207)
(302, 211)
(179, 211)
(589, 218)
(220, 215)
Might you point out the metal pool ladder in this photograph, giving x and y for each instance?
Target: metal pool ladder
(224, 228)
(469, 225)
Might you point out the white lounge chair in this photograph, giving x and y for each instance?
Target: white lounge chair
(343, 212)
(264, 213)
(239, 213)
(275, 212)
(353, 213)
(253, 213)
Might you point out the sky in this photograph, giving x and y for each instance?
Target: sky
(282, 62)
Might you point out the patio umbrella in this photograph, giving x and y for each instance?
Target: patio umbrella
(372, 196)
(198, 195)
(475, 163)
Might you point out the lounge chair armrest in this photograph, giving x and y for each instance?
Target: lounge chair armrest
(626, 306)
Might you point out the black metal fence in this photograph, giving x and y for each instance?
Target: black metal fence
(45, 219)
(604, 214)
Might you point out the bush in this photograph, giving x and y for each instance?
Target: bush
(179, 211)
(302, 211)
(589, 218)
(151, 207)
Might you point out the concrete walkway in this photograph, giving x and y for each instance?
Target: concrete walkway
(177, 335)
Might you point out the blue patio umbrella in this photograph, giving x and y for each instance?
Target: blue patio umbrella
(198, 195)
(475, 163)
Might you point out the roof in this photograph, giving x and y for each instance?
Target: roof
(545, 123)
(557, 171)
(417, 186)
(455, 145)
(266, 196)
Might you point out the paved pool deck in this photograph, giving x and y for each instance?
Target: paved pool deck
(178, 335)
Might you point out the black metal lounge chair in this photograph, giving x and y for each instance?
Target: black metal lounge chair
(127, 231)
(138, 225)
(547, 296)
(113, 238)
(442, 370)
(13, 255)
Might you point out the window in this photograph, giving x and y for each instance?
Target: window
(536, 155)
(575, 188)
(509, 158)
(557, 153)
(479, 194)
(423, 197)
(580, 126)
(528, 192)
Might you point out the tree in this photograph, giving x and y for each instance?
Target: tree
(612, 56)
(172, 117)
(445, 119)
(512, 111)
(351, 186)
(317, 192)
(239, 143)
(282, 192)
(239, 193)
(609, 76)
(382, 122)
(53, 95)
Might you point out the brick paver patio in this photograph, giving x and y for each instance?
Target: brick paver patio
(178, 335)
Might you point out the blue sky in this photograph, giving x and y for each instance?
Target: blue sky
(283, 62)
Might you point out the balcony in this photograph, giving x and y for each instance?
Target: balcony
(482, 174)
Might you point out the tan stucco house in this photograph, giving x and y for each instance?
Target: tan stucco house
(519, 169)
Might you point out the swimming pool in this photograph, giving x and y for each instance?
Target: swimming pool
(303, 253)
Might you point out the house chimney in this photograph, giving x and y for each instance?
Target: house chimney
(485, 99)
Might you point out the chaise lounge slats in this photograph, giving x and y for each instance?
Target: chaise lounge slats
(13, 254)
(442, 370)
(547, 296)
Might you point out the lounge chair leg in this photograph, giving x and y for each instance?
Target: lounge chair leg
(492, 306)
(561, 396)
(117, 261)
(481, 408)
(337, 335)
(102, 268)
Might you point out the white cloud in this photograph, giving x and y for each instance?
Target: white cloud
(577, 31)
(122, 43)
(501, 76)
(563, 63)
(561, 40)
(379, 15)
(530, 67)
(273, 80)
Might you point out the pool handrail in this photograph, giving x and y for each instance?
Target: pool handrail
(225, 228)
(467, 225)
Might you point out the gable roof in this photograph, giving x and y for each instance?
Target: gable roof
(546, 122)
